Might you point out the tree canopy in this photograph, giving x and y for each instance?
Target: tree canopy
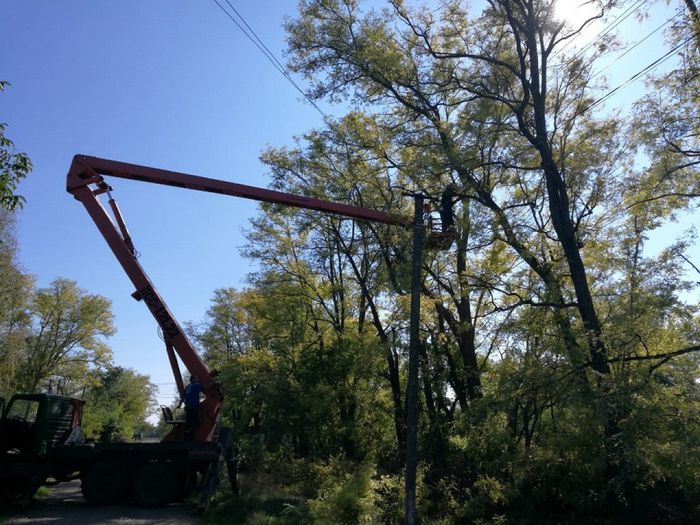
(558, 354)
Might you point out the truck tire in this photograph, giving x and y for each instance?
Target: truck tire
(154, 485)
(232, 470)
(188, 484)
(103, 483)
(17, 492)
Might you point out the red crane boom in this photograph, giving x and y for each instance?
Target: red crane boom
(86, 183)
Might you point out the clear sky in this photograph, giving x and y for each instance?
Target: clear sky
(172, 84)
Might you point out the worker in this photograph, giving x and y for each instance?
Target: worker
(447, 209)
(191, 399)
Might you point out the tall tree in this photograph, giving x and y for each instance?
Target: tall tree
(551, 341)
(500, 104)
(481, 101)
(226, 331)
(67, 334)
(15, 291)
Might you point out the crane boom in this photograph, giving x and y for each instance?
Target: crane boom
(85, 167)
(85, 181)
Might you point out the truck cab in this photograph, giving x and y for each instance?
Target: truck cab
(32, 424)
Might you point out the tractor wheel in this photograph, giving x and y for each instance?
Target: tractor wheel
(154, 485)
(103, 483)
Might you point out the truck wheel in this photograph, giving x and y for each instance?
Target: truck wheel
(17, 492)
(103, 483)
(154, 485)
(187, 484)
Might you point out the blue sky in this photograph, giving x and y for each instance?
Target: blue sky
(169, 84)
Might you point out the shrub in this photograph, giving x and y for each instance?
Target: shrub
(345, 496)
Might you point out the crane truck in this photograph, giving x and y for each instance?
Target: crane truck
(40, 437)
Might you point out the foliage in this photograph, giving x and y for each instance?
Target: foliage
(54, 339)
(116, 407)
(559, 355)
(48, 336)
(286, 386)
(14, 166)
(15, 291)
(225, 334)
(67, 330)
(345, 496)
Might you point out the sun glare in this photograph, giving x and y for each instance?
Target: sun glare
(575, 11)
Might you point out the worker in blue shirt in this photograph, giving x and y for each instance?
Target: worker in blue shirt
(191, 400)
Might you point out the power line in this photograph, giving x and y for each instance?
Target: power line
(257, 41)
(250, 33)
(263, 49)
(624, 16)
(640, 74)
(607, 29)
(267, 51)
(679, 13)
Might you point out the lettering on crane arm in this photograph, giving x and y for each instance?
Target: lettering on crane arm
(159, 311)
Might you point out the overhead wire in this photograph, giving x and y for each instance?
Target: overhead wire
(607, 29)
(254, 39)
(640, 74)
(257, 41)
(637, 44)
(624, 16)
(250, 33)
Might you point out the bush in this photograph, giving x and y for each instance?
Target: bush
(345, 497)
(389, 494)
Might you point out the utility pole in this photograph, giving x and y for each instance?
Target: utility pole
(85, 181)
(412, 387)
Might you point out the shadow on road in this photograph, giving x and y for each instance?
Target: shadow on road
(65, 506)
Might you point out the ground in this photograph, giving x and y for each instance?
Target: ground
(64, 505)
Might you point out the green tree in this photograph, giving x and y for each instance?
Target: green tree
(551, 341)
(497, 104)
(226, 332)
(118, 404)
(665, 126)
(304, 384)
(15, 291)
(438, 80)
(14, 166)
(68, 328)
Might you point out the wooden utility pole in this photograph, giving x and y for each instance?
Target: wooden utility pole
(412, 387)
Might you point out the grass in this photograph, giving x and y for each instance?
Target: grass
(42, 493)
(9, 507)
(262, 502)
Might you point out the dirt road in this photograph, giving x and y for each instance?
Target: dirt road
(66, 506)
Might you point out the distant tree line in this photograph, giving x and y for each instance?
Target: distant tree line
(54, 339)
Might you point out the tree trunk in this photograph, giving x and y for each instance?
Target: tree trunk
(694, 21)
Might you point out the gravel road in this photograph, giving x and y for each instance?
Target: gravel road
(66, 506)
